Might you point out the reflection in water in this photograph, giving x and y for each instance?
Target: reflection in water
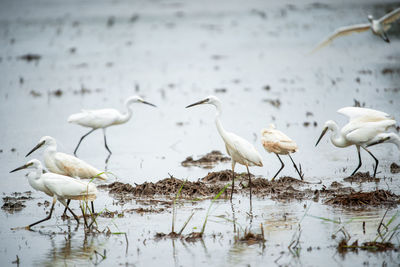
(74, 249)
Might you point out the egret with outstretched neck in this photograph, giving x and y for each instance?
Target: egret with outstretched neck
(59, 187)
(366, 127)
(378, 27)
(103, 118)
(240, 150)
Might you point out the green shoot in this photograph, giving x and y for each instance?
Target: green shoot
(173, 207)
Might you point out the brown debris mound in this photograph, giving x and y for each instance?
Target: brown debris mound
(221, 176)
(371, 246)
(251, 239)
(361, 199)
(207, 161)
(361, 177)
(15, 202)
(394, 168)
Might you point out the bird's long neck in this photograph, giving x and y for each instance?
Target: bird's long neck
(34, 178)
(127, 114)
(220, 128)
(336, 137)
(50, 149)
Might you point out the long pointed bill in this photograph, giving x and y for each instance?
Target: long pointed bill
(35, 148)
(147, 103)
(198, 103)
(322, 135)
(21, 168)
(379, 142)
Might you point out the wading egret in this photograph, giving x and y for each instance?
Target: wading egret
(59, 187)
(366, 127)
(240, 150)
(274, 141)
(103, 118)
(378, 27)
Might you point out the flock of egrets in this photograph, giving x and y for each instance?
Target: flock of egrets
(366, 127)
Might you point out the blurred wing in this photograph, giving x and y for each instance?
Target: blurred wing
(390, 17)
(341, 32)
(244, 149)
(277, 142)
(354, 113)
(75, 167)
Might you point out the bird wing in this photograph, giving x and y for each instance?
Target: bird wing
(277, 142)
(74, 167)
(67, 187)
(390, 17)
(341, 32)
(97, 118)
(368, 131)
(243, 148)
(354, 113)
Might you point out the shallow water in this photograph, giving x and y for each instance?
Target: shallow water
(174, 53)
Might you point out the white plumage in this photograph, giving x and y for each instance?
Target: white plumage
(240, 150)
(64, 164)
(366, 127)
(59, 187)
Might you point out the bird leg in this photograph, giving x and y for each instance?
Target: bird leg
(84, 217)
(233, 178)
(76, 149)
(294, 164)
(91, 202)
(73, 214)
(376, 160)
(248, 172)
(66, 207)
(282, 166)
(45, 219)
(359, 160)
(385, 38)
(105, 141)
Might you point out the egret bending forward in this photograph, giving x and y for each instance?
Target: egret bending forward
(59, 187)
(378, 27)
(279, 143)
(366, 127)
(240, 150)
(103, 118)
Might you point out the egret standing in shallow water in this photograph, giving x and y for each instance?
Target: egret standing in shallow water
(103, 118)
(378, 27)
(240, 150)
(59, 187)
(366, 127)
(279, 143)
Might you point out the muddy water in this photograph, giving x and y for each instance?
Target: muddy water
(175, 53)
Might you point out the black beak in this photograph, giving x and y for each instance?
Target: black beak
(36, 147)
(379, 142)
(322, 135)
(198, 103)
(21, 168)
(147, 103)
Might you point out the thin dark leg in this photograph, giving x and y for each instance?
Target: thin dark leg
(359, 160)
(248, 172)
(84, 217)
(294, 164)
(76, 149)
(376, 160)
(45, 219)
(91, 202)
(282, 166)
(233, 179)
(105, 141)
(66, 207)
(73, 214)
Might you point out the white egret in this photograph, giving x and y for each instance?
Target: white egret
(64, 164)
(103, 118)
(59, 187)
(240, 150)
(366, 127)
(274, 141)
(378, 27)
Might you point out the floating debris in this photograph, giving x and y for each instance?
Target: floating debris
(207, 161)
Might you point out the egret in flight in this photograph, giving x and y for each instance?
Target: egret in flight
(103, 118)
(59, 187)
(240, 150)
(366, 127)
(274, 141)
(378, 27)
